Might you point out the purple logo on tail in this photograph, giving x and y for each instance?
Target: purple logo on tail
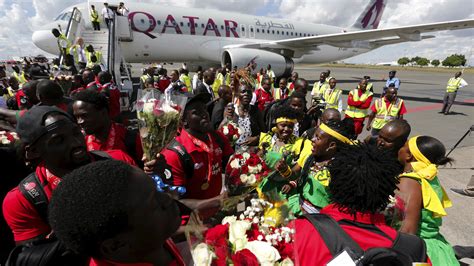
(377, 7)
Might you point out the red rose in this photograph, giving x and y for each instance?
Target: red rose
(253, 233)
(217, 238)
(286, 250)
(244, 257)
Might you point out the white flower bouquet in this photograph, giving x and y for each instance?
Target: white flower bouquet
(159, 117)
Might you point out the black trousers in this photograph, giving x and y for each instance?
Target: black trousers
(107, 21)
(96, 25)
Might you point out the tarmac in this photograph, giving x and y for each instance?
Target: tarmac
(423, 94)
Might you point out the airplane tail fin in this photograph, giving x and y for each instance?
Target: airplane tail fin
(370, 18)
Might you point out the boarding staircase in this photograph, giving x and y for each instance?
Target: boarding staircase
(108, 42)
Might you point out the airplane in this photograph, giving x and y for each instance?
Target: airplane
(157, 33)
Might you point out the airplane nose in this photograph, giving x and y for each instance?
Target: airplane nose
(46, 41)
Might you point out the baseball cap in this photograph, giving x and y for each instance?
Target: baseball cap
(30, 126)
(200, 97)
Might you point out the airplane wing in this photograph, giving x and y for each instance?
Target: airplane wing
(362, 39)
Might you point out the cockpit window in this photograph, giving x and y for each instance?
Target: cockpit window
(64, 16)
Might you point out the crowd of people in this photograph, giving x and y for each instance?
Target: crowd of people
(87, 190)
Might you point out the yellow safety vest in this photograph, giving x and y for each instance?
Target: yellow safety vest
(94, 16)
(97, 54)
(187, 82)
(354, 111)
(369, 86)
(319, 90)
(217, 83)
(332, 98)
(384, 113)
(20, 77)
(68, 43)
(227, 79)
(453, 84)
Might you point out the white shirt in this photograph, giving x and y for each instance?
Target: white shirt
(463, 83)
(81, 53)
(123, 11)
(209, 90)
(107, 13)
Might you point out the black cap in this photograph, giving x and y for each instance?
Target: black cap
(392, 72)
(30, 126)
(200, 97)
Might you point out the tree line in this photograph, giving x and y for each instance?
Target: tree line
(453, 60)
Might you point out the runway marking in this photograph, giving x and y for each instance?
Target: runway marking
(432, 107)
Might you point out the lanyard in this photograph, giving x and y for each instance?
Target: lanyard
(209, 149)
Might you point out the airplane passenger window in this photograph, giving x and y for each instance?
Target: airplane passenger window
(304, 35)
(159, 22)
(202, 25)
(222, 27)
(301, 34)
(278, 32)
(243, 28)
(195, 25)
(258, 30)
(287, 33)
(188, 24)
(273, 31)
(291, 33)
(182, 24)
(268, 31)
(251, 29)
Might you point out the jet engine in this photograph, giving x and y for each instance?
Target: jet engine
(241, 57)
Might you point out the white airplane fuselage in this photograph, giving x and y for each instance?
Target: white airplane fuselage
(161, 33)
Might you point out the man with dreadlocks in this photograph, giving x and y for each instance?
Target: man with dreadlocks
(313, 183)
(358, 192)
(282, 149)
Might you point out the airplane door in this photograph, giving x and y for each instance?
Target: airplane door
(251, 31)
(242, 31)
(124, 30)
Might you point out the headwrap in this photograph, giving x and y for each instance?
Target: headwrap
(286, 119)
(425, 171)
(335, 134)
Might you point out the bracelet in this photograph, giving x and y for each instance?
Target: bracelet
(287, 173)
(292, 183)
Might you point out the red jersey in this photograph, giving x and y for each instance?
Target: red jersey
(116, 140)
(21, 99)
(311, 249)
(169, 245)
(263, 98)
(207, 157)
(162, 83)
(22, 217)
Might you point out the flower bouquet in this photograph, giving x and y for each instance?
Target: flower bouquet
(8, 138)
(232, 131)
(158, 116)
(245, 170)
(246, 240)
(395, 211)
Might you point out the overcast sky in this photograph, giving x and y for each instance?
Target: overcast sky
(19, 18)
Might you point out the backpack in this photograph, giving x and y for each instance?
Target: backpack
(185, 157)
(405, 249)
(44, 252)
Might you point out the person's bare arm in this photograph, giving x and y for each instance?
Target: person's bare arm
(410, 190)
(369, 122)
(8, 115)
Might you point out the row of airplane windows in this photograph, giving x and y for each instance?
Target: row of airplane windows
(288, 33)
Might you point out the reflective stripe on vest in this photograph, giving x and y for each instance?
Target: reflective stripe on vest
(353, 111)
(332, 98)
(384, 113)
(453, 84)
(21, 78)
